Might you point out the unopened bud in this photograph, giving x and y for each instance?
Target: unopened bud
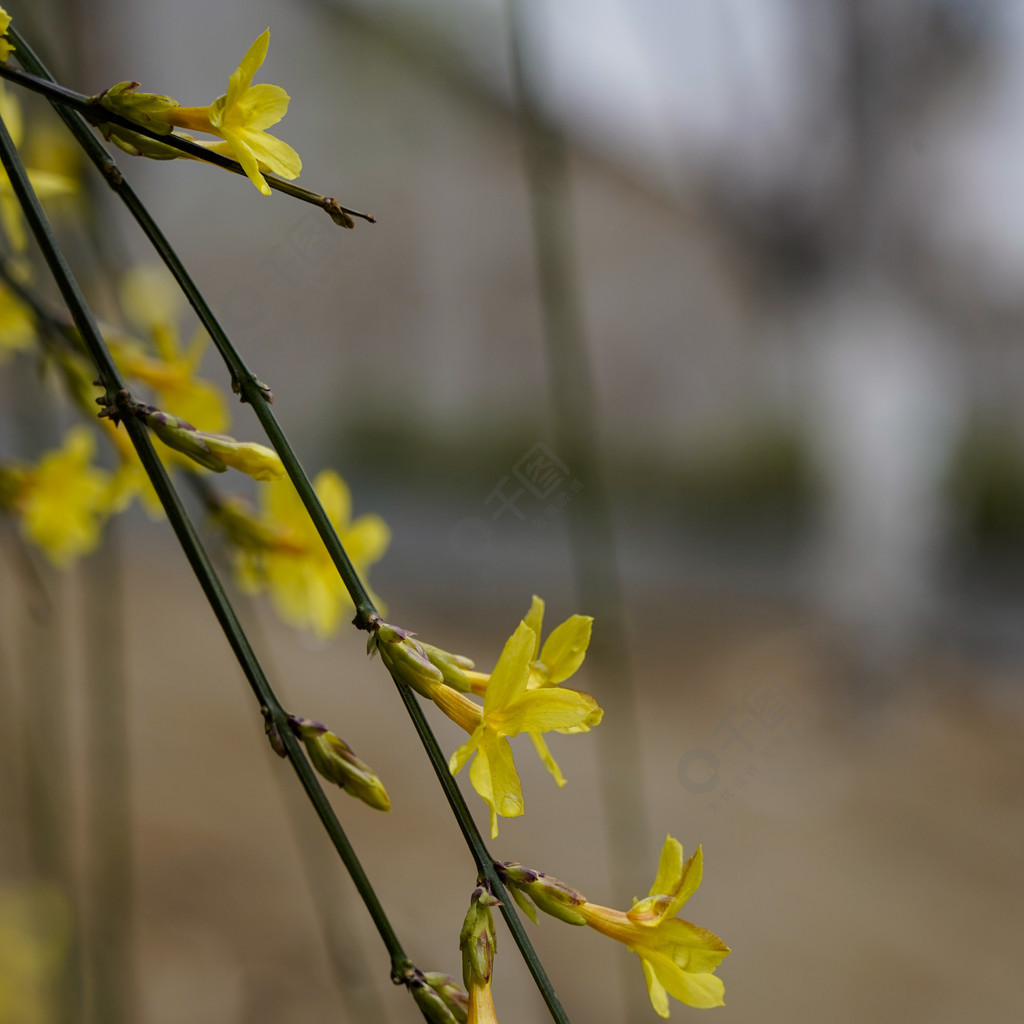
(334, 760)
(549, 894)
(448, 989)
(405, 658)
(453, 667)
(478, 940)
(274, 735)
(434, 1008)
(146, 108)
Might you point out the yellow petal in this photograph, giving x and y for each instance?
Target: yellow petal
(47, 184)
(534, 618)
(241, 78)
(245, 156)
(690, 947)
(656, 991)
(367, 539)
(335, 497)
(494, 777)
(700, 990)
(508, 680)
(259, 108)
(564, 650)
(458, 760)
(255, 460)
(149, 296)
(670, 868)
(273, 155)
(545, 755)
(541, 710)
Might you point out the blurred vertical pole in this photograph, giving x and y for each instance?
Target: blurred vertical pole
(110, 876)
(577, 430)
(47, 770)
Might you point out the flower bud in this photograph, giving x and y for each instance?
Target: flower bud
(478, 940)
(453, 667)
(405, 658)
(274, 735)
(448, 989)
(549, 894)
(213, 451)
(433, 1006)
(145, 108)
(334, 760)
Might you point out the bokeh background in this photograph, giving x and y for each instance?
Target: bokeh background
(747, 274)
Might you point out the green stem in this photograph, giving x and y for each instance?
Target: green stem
(484, 860)
(243, 379)
(111, 380)
(259, 397)
(98, 115)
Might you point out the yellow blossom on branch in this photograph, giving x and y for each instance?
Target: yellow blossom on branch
(551, 664)
(279, 550)
(240, 118)
(678, 958)
(61, 502)
(510, 707)
(6, 46)
(46, 184)
(17, 328)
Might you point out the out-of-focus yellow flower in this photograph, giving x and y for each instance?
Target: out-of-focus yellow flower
(35, 929)
(240, 117)
(150, 301)
(679, 959)
(17, 328)
(510, 707)
(6, 46)
(46, 184)
(62, 502)
(280, 551)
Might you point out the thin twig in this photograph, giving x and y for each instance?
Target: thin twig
(98, 115)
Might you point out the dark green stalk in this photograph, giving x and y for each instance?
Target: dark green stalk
(111, 380)
(484, 861)
(243, 379)
(95, 114)
(258, 395)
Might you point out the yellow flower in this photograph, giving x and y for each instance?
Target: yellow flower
(61, 503)
(150, 301)
(241, 116)
(562, 654)
(46, 184)
(678, 958)
(6, 46)
(282, 552)
(17, 328)
(510, 707)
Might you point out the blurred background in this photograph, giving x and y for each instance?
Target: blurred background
(700, 316)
